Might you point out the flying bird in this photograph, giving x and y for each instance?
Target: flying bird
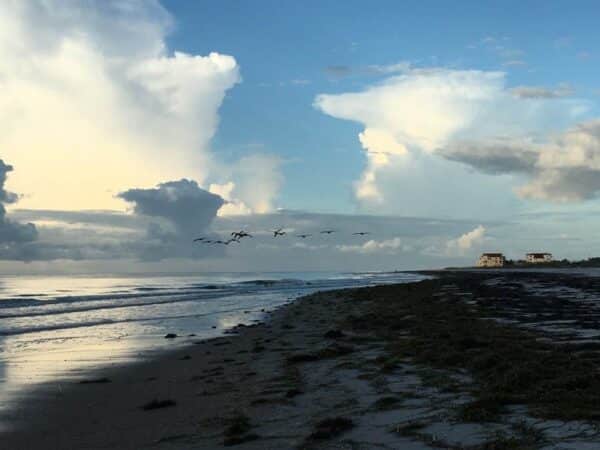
(304, 236)
(361, 233)
(278, 232)
(327, 231)
(240, 234)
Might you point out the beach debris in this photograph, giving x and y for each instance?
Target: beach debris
(158, 404)
(332, 427)
(237, 431)
(333, 351)
(237, 440)
(387, 403)
(291, 393)
(170, 336)
(96, 381)
(334, 334)
(172, 437)
(238, 424)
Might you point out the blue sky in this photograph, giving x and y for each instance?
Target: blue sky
(280, 44)
(126, 126)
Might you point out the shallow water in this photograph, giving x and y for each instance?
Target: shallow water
(57, 327)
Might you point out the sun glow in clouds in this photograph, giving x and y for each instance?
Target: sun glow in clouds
(92, 103)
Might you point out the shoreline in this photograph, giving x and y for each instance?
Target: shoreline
(339, 369)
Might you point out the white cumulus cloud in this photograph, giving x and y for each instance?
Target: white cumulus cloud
(257, 180)
(422, 113)
(467, 241)
(90, 94)
(393, 245)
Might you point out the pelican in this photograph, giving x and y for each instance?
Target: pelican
(361, 233)
(240, 234)
(327, 231)
(278, 232)
(304, 236)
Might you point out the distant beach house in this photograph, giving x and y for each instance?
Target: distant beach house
(535, 258)
(491, 260)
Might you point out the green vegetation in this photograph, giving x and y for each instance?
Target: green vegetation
(238, 431)
(387, 403)
(509, 366)
(330, 428)
(563, 263)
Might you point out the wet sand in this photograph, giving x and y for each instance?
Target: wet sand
(361, 368)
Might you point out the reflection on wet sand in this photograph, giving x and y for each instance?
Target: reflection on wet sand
(59, 338)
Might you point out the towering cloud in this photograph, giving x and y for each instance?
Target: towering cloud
(462, 115)
(467, 241)
(90, 93)
(257, 182)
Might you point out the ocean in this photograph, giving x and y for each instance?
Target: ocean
(58, 327)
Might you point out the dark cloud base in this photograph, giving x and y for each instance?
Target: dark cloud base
(14, 236)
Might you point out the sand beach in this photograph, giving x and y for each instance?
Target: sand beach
(467, 360)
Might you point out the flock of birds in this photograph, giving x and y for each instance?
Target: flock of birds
(237, 236)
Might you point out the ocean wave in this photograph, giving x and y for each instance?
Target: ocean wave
(107, 306)
(275, 282)
(117, 295)
(100, 322)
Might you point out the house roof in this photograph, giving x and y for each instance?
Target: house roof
(493, 255)
(538, 255)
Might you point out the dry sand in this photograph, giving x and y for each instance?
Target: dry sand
(300, 380)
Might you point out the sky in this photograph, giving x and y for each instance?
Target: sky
(128, 128)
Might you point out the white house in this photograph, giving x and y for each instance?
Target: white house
(491, 260)
(535, 258)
